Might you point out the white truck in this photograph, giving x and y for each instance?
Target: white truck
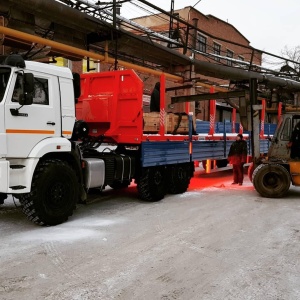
(49, 159)
(37, 113)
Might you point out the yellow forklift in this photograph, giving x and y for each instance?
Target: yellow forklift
(273, 177)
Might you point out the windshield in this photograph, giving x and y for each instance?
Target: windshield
(4, 77)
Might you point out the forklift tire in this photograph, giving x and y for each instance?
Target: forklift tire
(54, 193)
(271, 180)
(152, 184)
(179, 179)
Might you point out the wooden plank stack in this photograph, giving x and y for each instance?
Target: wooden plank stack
(174, 123)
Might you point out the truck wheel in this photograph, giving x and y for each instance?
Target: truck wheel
(2, 198)
(152, 184)
(222, 163)
(179, 179)
(54, 193)
(271, 180)
(117, 185)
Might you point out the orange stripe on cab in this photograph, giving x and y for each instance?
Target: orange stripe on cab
(67, 132)
(27, 131)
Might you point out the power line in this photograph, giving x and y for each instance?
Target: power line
(196, 3)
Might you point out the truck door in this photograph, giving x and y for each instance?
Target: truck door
(4, 79)
(32, 123)
(278, 148)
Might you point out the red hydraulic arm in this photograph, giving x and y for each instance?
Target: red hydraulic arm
(112, 105)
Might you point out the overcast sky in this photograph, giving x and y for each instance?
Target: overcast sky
(269, 25)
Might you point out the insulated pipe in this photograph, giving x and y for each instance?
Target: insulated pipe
(79, 52)
(53, 11)
(225, 72)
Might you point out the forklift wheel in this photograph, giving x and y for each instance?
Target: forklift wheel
(271, 180)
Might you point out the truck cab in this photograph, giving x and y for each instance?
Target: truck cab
(280, 145)
(37, 116)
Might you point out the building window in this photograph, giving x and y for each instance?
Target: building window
(230, 55)
(217, 51)
(202, 43)
(241, 58)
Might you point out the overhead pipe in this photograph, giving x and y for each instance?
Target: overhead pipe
(79, 52)
(202, 67)
(54, 10)
(225, 72)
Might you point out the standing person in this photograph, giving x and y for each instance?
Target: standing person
(237, 157)
(294, 143)
(155, 98)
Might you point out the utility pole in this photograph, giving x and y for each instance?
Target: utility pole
(254, 109)
(115, 32)
(171, 21)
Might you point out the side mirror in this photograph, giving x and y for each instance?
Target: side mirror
(26, 99)
(28, 88)
(28, 83)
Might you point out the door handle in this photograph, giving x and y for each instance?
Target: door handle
(51, 123)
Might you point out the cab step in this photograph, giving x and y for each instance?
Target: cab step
(17, 166)
(18, 187)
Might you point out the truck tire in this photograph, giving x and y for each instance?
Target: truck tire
(54, 193)
(222, 163)
(179, 179)
(152, 184)
(2, 198)
(117, 185)
(271, 180)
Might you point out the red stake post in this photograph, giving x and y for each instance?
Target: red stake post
(162, 104)
(262, 119)
(212, 113)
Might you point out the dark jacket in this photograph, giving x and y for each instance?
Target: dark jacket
(155, 98)
(238, 152)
